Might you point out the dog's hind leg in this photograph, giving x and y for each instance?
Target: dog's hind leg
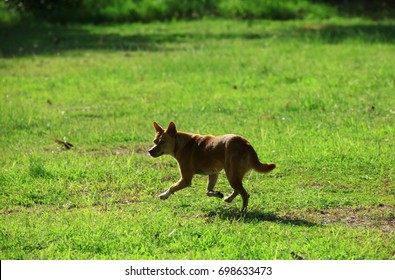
(235, 169)
(212, 180)
(229, 171)
(232, 196)
(238, 188)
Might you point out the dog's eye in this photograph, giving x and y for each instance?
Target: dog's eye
(159, 142)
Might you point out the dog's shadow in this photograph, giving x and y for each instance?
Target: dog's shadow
(256, 215)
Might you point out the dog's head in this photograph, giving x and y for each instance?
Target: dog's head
(165, 140)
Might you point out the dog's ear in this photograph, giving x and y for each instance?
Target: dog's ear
(158, 128)
(171, 129)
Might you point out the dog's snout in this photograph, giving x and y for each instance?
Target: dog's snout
(155, 152)
(150, 151)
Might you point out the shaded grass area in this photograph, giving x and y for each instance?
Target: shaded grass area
(45, 39)
(313, 97)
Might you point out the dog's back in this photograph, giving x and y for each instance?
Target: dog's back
(209, 154)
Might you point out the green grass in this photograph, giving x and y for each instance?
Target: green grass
(316, 98)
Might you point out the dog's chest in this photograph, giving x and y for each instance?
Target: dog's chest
(207, 171)
(209, 166)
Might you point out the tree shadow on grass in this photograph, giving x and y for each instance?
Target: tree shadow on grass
(37, 39)
(256, 216)
(44, 39)
(335, 34)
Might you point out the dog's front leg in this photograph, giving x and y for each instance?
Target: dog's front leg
(182, 183)
(212, 180)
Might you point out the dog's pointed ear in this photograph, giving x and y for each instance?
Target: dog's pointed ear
(171, 129)
(158, 128)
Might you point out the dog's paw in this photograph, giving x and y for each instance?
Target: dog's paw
(215, 194)
(228, 199)
(164, 195)
(220, 195)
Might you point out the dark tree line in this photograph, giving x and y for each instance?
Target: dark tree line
(146, 10)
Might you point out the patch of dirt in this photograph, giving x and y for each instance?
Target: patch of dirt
(141, 149)
(322, 186)
(381, 216)
(121, 150)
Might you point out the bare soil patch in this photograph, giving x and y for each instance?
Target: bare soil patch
(381, 216)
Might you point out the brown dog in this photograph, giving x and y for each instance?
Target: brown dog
(208, 155)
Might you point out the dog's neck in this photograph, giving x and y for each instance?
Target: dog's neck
(182, 139)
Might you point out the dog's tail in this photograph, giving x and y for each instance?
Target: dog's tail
(264, 167)
(261, 167)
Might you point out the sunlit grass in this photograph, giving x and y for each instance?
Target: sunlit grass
(316, 98)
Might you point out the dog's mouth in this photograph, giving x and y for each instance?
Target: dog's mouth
(155, 155)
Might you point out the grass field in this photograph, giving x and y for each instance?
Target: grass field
(316, 98)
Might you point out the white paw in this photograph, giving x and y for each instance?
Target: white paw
(215, 194)
(165, 195)
(228, 199)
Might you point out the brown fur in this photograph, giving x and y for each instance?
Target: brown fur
(208, 155)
